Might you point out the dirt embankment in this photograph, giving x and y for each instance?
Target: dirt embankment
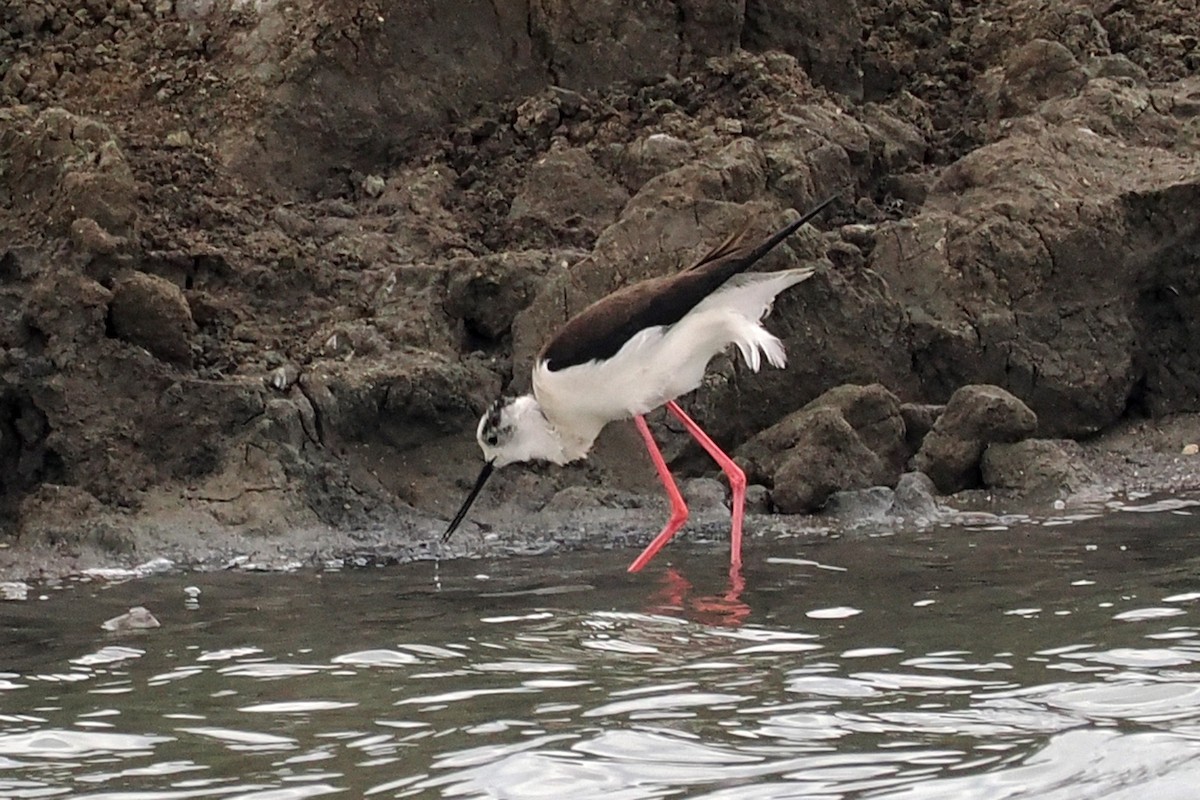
(262, 265)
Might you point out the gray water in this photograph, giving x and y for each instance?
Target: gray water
(1039, 658)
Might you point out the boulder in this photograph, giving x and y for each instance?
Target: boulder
(487, 293)
(975, 417)
(153, 313)
(914, 499)
(826, 456)
(918, 421)
(565, 189)
(1035, 465)
(1033, 73)
(872, 413)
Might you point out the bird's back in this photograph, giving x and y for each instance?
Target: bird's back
(602, 329)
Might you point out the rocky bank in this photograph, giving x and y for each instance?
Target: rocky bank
(263, 264)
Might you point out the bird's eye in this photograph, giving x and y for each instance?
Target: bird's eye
(492, 439)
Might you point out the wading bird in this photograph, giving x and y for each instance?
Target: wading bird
(635, 350)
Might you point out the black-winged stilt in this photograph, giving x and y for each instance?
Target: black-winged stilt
(633, 351)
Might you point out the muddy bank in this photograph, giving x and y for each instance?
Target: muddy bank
(261, 267)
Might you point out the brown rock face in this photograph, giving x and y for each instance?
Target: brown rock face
(378, 212)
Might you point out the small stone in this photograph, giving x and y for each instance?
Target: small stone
(1191, 449)
(137, 618)
(373, 185)
(915, 500)
(179, 139)
(14, 590)
(703, 495)
(727, 125)
(860, 235)
(284, 377)
(758, 499)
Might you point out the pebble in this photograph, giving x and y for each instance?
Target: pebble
(1191, 449)
(14, 590)
(374, 185)
(137, 618)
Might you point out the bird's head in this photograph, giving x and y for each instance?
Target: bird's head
(513, 429)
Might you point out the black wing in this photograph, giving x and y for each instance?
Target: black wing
(603, 328)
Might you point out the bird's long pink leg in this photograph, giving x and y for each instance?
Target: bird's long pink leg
(679, 512)
(737, 479)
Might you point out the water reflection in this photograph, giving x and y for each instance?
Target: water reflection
(1036, 661)
(676, 595)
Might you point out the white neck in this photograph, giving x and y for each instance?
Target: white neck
(533, 437)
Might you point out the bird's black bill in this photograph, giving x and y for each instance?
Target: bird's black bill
(484, 474)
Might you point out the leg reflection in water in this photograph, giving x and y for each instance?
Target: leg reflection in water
(677, 597)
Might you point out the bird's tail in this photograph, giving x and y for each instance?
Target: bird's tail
(754, 342)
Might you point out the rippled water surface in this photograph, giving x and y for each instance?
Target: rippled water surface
(1052, 658)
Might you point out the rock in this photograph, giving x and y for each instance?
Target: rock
(153, 313)
(89, 237)
(758, 499)
(871, 412)
(736, 173)
(434, 61)
(650, 156)
(914, 499)
(14, 590)
(283, 377)
(1190, 449)
(988, 413)
(66, 167)
(918, 421)
(874, 414)
(179, 140)
(827, 456)
(1117, 65)
(584, 50)
(68, 307)
(976, 416)
(824, 36)
(565, 188)
(488, 293)
(400, 399)
(1034, 73)
(854, 507)
(1035, 465)
(373, 186)
(704, 496)
(584, 498)
(137, 618)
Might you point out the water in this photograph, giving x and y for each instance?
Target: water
(1039, 659)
